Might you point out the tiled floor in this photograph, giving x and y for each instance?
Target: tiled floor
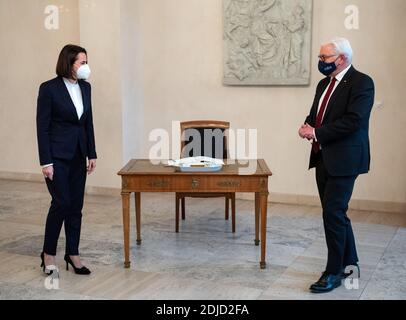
(204, 261)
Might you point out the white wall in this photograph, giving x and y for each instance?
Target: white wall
(28, 53)
(132, 91)
(161, 60)
(182, 79)
(100, 34)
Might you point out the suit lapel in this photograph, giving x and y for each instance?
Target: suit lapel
(84, 98)
(66, 97)
(319, 93)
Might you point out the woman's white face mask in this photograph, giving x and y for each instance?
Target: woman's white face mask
(83, 72)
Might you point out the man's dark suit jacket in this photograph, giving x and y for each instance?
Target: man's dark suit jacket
(343, 134)
(59, 130)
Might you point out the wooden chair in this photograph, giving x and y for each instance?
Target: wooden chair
(219, 150)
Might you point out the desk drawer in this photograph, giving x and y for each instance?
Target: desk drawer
(237, 184)
(198, 183)
(151, 184)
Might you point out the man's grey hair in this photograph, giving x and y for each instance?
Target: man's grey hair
(342, 46)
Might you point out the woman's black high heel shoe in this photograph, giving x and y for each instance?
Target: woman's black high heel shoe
(48, 270)
(82, 270)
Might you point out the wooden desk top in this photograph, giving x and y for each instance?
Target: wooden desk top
(145, 167)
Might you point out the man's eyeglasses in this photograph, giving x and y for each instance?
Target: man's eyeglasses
(323, 57)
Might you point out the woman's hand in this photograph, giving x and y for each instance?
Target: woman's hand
(48, 172)
(91, 166)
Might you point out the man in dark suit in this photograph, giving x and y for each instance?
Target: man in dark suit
(338, 125)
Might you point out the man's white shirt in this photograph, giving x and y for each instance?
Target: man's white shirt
(339, 77)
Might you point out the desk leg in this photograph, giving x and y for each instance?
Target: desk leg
(264, 208)
(257, 218)
(183, 208)
(125, 196)
(177, 214)
(138, 215)
(227, 208)
(233, 212)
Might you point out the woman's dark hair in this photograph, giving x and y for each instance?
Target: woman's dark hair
(66, 60)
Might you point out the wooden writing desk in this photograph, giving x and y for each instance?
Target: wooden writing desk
(143, 176)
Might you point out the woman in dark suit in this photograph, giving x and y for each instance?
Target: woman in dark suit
(65, 139)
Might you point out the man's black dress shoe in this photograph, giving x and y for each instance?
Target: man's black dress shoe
(326, 283)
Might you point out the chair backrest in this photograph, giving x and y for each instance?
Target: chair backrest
(204, 138)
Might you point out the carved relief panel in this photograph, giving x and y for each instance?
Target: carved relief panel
(267, 42)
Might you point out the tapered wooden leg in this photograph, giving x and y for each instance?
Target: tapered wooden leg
(226, 215)
(125, 196)
(257, 218)
(138, 216)
(264, 208)
(183, 209)
(233, 212)
(177, 215)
